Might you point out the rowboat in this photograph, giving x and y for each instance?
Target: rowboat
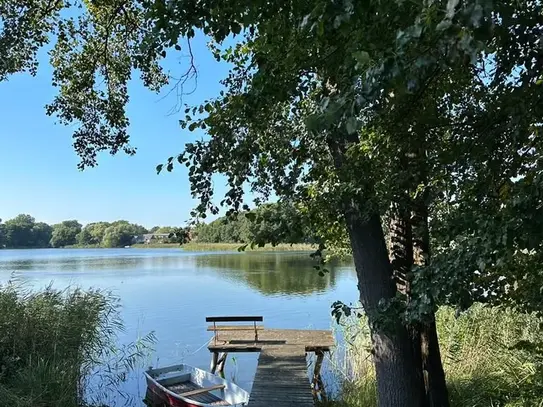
(187, 386)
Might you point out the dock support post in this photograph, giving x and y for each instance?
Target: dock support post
(214, 361)
(318, 385)
(222, 362)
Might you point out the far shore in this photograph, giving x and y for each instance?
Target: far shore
(199, 247)
(282, 247)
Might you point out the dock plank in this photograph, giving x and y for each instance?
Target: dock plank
(281, 378)
(244, 341)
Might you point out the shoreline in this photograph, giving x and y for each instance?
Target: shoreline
(282, 247)
(196, 247)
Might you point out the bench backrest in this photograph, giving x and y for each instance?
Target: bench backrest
(235, 319)
(244, 318)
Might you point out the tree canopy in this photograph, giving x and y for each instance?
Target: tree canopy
(269, 223)
(24, 231)
(65, 233)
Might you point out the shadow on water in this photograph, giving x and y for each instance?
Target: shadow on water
(274, 273)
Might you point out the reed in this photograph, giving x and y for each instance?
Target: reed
(58, 348)
(492, 357)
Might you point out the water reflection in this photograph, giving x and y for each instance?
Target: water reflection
(286, 273)
(97, 259)
(274, 273)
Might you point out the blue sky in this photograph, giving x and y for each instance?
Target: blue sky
(39, 174)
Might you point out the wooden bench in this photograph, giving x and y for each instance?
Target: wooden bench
(218, 320)
(217, 361)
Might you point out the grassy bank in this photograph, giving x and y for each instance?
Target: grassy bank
(235, 246)
(199, 247)
(58, 348)
(156, 246)
(482, 360)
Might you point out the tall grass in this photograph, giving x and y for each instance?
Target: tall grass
(58, 348)
(491, 357)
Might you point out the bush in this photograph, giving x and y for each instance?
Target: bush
(53, 342)
(492, 357)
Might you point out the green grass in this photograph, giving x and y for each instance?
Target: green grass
(199, 247)
(156, 246)
(483, 366)
(234, 247)
(58, 348)
(82, 246)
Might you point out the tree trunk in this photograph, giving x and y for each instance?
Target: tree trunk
(401, 245)
(437, 394)
(398, 380)
(401, 258)
(397, 373)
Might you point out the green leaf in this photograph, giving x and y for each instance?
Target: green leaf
(320, 28)
(235, 28)
(159, 168)
(193, 126)
(351, 125)
(451, 8)
(416, 31)
(362, 57)
(476, 15)
(443, 25)
(251, 216)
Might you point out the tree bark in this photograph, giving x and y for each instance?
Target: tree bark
(401, 258)
(398, 380)
(437, 394)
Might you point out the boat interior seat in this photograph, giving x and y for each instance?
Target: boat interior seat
(167, 381)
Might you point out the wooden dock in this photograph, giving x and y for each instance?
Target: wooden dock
(281, 379)
(282, 376)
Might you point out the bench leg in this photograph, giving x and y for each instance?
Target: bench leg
(214, 362)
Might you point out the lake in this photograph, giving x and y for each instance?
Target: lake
(171, 291)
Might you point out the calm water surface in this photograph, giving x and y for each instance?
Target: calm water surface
(171, 292)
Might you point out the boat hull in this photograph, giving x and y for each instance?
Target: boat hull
(168, 385)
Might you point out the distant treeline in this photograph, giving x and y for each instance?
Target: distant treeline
(270, 223)
(24, 232)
